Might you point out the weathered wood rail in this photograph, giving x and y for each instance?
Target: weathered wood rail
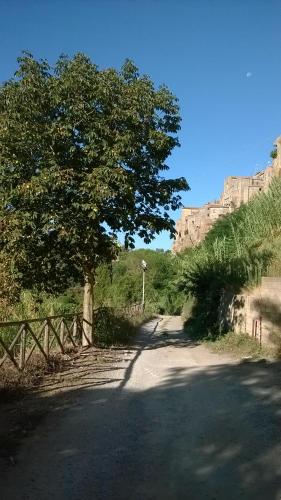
(19, 340)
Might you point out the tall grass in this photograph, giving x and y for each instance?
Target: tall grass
(240, 249)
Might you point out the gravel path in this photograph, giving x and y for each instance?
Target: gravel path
(165, 420)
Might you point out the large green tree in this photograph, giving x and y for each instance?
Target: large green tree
(82, 156)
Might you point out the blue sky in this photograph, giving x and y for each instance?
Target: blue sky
(221, 58)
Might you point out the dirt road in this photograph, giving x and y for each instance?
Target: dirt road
(164, 420)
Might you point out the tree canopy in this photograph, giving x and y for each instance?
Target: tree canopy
(82, 156)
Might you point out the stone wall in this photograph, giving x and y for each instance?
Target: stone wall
(186, 229)
(238, 190)
(254, 312)
(195, 222)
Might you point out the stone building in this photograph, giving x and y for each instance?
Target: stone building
(238, 190)
(195, 222)
(186, 229)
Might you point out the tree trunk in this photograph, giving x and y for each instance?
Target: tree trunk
(88, 316)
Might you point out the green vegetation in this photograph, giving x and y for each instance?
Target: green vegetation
(31, 304)
(118, 285)
(239, 249)
(273, 153)
(239, 346)
(116, 327)
(82, 156)
(121, 284)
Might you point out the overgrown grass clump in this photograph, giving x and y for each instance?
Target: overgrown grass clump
(115, 327)
(239, 346)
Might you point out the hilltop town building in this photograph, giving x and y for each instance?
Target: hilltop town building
(195, 222)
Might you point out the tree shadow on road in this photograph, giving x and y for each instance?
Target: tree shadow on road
(208, 432)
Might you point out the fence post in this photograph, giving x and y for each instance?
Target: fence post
(22, 348)
(62, 329)
(75, 324)
(47, 338)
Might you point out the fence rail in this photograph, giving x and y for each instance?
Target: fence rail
(19, 340)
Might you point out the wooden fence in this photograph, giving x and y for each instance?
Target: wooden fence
(20, 339)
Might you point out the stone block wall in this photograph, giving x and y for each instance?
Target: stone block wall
(254, 312)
